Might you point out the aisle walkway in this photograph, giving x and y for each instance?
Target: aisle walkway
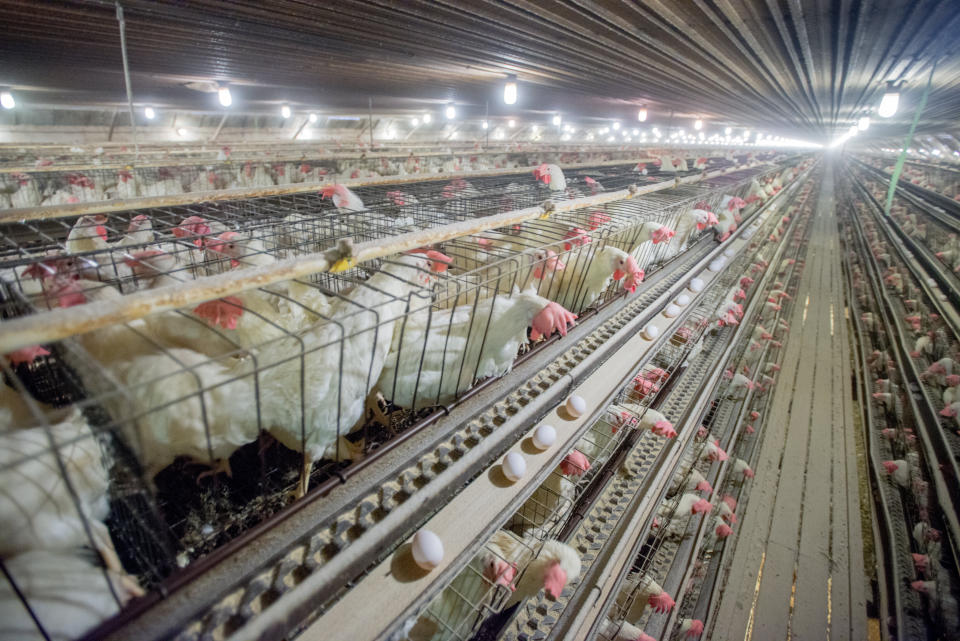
(797, 571)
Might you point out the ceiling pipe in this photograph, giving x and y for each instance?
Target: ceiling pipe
(126, 78)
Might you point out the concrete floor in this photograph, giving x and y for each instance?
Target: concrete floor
(797, 571)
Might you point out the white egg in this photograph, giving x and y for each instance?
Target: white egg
(576, 406)
(696, 285)
(682, 300)
(514, 466)
(427, 549)
(717, 264)
(728, 252)
(671, 310)
(544, 436)
(650, 332)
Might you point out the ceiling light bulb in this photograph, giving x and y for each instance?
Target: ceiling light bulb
(182, 132)
(510, 91)
(223, 94)
(6, 99)
(728, 130)
(642, 114)
(557, 120)
(285, 111)
(149, 113)
(616, 126)
(888, 104)
(312, 118)
(636, 132)
(415, 122)
(864, 123)
(573, 130)
(511, 123)
(698, 124)
(485, 124)
(427, 118)
(450, 112)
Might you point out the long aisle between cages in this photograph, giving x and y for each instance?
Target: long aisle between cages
(798, 568)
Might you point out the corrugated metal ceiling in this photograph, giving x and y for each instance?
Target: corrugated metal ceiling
(801, 67)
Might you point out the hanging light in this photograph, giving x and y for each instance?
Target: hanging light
(510, 90)
(149, 113)
(223, 94)
(889, 102)
(485, 124)
(557, 120)
(511, 123)
(450, 112)
(728, 131)
(415, 122)
(6, 99)
(636, 132)
(312, 118)
(864, 123)
(642, 114)
(698, 124)
(616, 125)
(285, 111)
(427, 118)
(182, 132)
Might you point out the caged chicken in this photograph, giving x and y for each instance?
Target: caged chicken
(438, 355)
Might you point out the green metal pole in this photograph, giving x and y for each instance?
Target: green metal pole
(898, 169)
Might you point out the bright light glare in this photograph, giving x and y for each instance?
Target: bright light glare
(616, 126)
(511, 123)
(182, 132)
(415, 122)
(312, 118)
(728, 130)
(864, 123)
(510, 92)
(642, 115)
(149, 113)
(636, 132)
(485, 124)
(450, 112)
(698, 124)
(557, 120)
(427, 118)
(223, 94)
(888, 104)
(285, 111)
(6, 99)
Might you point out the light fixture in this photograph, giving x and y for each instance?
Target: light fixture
(864, 123)
(149, 113)
(427, 118)
(415, 122)
(223, 94)
(285, 111)
(853, 130)
(6, 99)
(485, 124)
(642, 114)
(604, 130)
(616, 126)
(510, 90)
(312, 118)
(728, 130)
(391, 133)
(511, 123)
(636, 132)
(698, 124)
(450, 112)
(557, 120)
(889, 102)
(182, 132)
(572, 130)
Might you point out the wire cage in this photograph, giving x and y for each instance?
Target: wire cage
(212, 418)
(124, 177)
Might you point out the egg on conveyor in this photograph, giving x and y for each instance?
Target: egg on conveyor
(514, 466)
(717, 264)
(650, 332)
(576, 406)
(671, 311)
(696, 285)
(427, 549)
(544, 436)
(682, 300)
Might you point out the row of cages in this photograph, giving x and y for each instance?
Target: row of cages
(727, 430)
(918, 553)
(151, 443)
(942, 180)
(489, 597)
(45, 187)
